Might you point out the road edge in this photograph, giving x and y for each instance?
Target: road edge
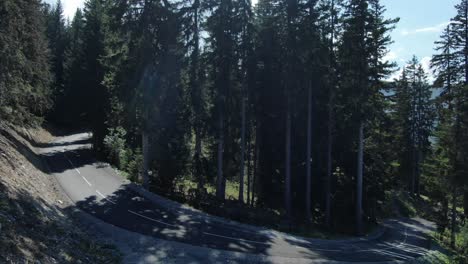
(121, 238)
(198, 214)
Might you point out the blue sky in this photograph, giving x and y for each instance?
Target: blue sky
(421, 22)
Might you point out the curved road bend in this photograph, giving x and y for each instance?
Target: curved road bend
(103, 194)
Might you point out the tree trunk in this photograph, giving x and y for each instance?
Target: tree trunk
(445, 212)
(418, 172)
(219, 179)
(196, 97)
(308, 155)
(197, 158)
(242, 165)
(413, 170)
(145, 146)
(328, 179)
(249, 165)
(329, 164)
(360, 167)
(255, 166)
(287, 187)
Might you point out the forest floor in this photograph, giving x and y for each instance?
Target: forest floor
(231, 208)
(36, 225)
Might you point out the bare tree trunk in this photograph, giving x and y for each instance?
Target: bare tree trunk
(219, 179)
(145, 145)
(445, 212)
(331, 95)
(196, 97)
(255, 166)
(197, 158)
(329, 173)
(242, 165)
(360, 167)
(329, 164)
(418, 172)
(413, 171)
(249, 165)
(287, 187)
(308, 155)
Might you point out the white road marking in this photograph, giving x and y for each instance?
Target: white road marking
(151, 219)
(238, 239)
(382, 250)
(399, 245)
(71, 163)
(86, 181)
(393, 254)
(103, 196)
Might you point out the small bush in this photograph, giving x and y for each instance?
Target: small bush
(115, 147)
(462, 243)
(134, 165)
(124, 158)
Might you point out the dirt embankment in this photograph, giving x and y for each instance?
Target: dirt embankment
(36, 225)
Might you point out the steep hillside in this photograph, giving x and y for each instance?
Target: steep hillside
(35, 219)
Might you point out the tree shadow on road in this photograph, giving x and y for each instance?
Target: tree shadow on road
(159, 232)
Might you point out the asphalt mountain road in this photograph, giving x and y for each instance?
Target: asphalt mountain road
(99, 191)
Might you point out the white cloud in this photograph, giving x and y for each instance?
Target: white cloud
(431, 29)
(394, 75)
(69, 7)
(394, 55)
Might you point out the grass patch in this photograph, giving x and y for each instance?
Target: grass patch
(434, 257)
(459, 253)
(401, 203)
(232, 188)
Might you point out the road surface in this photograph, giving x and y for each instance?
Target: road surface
(100, 192)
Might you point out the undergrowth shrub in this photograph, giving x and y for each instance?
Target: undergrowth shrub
(120, 155)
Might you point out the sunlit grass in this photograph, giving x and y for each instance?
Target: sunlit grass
(232, 188)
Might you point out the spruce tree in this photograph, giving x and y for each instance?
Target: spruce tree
(56, 33)
(93, 50)
(25, 77)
